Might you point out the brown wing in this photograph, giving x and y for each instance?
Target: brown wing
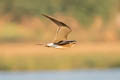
(62, 34)
(62, 31)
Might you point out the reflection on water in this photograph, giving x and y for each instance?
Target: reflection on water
(63, 75)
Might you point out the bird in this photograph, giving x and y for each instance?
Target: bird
(61, 36)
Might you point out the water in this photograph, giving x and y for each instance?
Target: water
(63, 75)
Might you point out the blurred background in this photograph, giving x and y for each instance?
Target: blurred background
(93, 20)
(95, 25)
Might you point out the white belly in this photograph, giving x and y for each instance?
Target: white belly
(53, 45)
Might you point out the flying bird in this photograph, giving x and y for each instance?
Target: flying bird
(61, 36)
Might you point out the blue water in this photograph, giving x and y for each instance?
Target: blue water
(63, 75)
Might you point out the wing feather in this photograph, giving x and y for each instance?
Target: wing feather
(63, 30)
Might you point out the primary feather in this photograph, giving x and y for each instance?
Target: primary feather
(62, 31)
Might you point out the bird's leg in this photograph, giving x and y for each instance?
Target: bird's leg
(58, 29)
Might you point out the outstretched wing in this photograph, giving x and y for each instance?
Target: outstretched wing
(62, 31)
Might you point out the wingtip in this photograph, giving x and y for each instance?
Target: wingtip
(44, 15)
(59, 23)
